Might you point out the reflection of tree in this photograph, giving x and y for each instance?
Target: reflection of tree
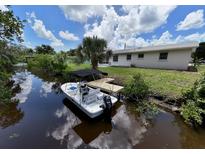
(190, 137)
(10, 114)
(56, 88)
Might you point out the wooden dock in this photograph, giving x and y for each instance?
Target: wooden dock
(104, 85)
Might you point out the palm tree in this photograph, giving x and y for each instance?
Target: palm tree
(93, 49)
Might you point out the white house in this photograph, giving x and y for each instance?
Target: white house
(174, 56)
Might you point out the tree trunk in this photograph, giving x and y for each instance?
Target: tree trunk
(94, 63)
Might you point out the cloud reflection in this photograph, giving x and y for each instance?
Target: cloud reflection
(65, 133)
(46, 88)
(127, 130)
(24, 79)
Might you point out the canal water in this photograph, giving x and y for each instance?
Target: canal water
(44, 118)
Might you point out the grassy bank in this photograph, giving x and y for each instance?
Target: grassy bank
(164, 82)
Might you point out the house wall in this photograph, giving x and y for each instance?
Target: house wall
(122, 61)
(177, 59)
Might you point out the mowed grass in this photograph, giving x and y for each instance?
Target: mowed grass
(164, 82)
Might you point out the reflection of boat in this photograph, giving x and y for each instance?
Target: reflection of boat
(89, 129)
(91, 101)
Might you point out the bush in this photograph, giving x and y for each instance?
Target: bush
(58, 63)
(5, 93)
(193, 109)
(40, 61)
(136, 89)
(192, 113)
(49, 63)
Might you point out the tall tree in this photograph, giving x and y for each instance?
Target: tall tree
(44, 49)
(200, 51)
(11, 27)
(71, 52)
(93, 49)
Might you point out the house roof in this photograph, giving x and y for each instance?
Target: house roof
(158, 48)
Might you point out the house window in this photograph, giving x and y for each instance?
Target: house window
(115, 58)
(140, 55)
(129, 56)
(163, 56)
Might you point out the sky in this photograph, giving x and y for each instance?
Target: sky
(130, 26)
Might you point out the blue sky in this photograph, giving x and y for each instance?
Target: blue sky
(64, 27)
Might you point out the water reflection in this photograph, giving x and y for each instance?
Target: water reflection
(46, 88)
(64, 132)
(24, 79)
(126, 133)
(60, 124)
(190, 137)
(79, 131)
(10, 114)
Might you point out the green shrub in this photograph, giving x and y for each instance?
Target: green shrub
(5, 93)
(147, 108)
(192, 113)
(193, 109)
(58, 63)
(136, 89)
(49, 63)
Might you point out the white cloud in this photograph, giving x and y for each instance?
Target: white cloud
(195, 37)
(106, 29)
(68, 36)
(135, 20)
(3, 8)
(81, 13)
(40, 29)
(192, 21)
(165, 38)
(143, 19)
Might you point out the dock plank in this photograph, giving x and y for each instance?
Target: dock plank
(104, 85)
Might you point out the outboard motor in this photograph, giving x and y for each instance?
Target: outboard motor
(107, 107)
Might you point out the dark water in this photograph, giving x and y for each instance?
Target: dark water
(44, 118)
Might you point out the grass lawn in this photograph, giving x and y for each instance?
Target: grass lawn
(165, 82)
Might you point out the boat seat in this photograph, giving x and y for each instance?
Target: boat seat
(91, 97)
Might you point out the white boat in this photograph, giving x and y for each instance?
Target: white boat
(91, 101)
